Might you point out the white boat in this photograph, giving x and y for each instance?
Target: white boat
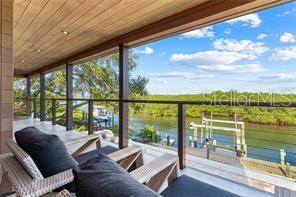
(100, 113)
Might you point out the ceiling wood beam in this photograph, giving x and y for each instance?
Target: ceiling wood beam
(19, 73)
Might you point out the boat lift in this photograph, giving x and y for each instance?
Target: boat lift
(207, 126)
(101, 115)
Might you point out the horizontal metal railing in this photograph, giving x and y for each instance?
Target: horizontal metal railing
(181, 112)
(175, 102)
(170, 102)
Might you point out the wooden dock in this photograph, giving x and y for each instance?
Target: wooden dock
(244, 162)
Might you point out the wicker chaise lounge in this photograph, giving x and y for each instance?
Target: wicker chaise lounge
(27, 180)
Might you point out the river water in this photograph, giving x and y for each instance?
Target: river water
(263, 141)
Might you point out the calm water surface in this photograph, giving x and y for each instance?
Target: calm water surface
(263, 141)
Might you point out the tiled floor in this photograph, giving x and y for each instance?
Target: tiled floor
(237, 180)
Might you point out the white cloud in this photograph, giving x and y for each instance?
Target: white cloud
(213, 57)
(158, 81)
(244, 68)
(206, 32)
(273, 78)
(218, 61)
(289, 12)
(279, 77)
(171, 74)
(227, 31)
(185, 75)
(284, 54)
(162, 53)
(251, 20)
(261, 36)
(243, 46)
(287, 37)
(147, 51)
(223, 59)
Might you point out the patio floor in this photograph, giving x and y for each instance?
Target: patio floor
(243, 182)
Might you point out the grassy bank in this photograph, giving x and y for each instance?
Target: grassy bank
(261, 115)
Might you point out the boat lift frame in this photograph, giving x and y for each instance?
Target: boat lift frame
(207, 125)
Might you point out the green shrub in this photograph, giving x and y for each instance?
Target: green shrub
(149, 134)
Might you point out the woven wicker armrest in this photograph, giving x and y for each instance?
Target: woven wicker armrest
(87, 141)
(63, 193)
(40, 187)
(127, 156)
(23, 183)
(155, 173)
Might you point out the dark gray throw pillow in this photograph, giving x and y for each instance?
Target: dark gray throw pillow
(48, 151)
(102, 177)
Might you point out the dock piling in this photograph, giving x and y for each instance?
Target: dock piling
(282, 156)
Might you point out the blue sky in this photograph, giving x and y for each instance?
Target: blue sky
(256, 52)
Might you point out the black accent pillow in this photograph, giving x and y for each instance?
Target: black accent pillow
(47, 151)
(102, 177)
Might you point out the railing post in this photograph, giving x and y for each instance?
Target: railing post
(69, 89)
(90, 117)
(288, 170)
(53, 112)
(35, 108)
(208, 152)
(181, 135)
(28, 95)
(42, 97)
(123, 94)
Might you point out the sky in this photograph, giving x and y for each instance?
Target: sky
(255, 52)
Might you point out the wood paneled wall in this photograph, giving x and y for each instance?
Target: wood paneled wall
(6, 73)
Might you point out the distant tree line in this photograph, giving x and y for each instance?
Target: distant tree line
(261, 115)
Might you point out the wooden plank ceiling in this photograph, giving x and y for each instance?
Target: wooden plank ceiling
(48, 31)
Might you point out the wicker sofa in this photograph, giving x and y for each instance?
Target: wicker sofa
(27, 180)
